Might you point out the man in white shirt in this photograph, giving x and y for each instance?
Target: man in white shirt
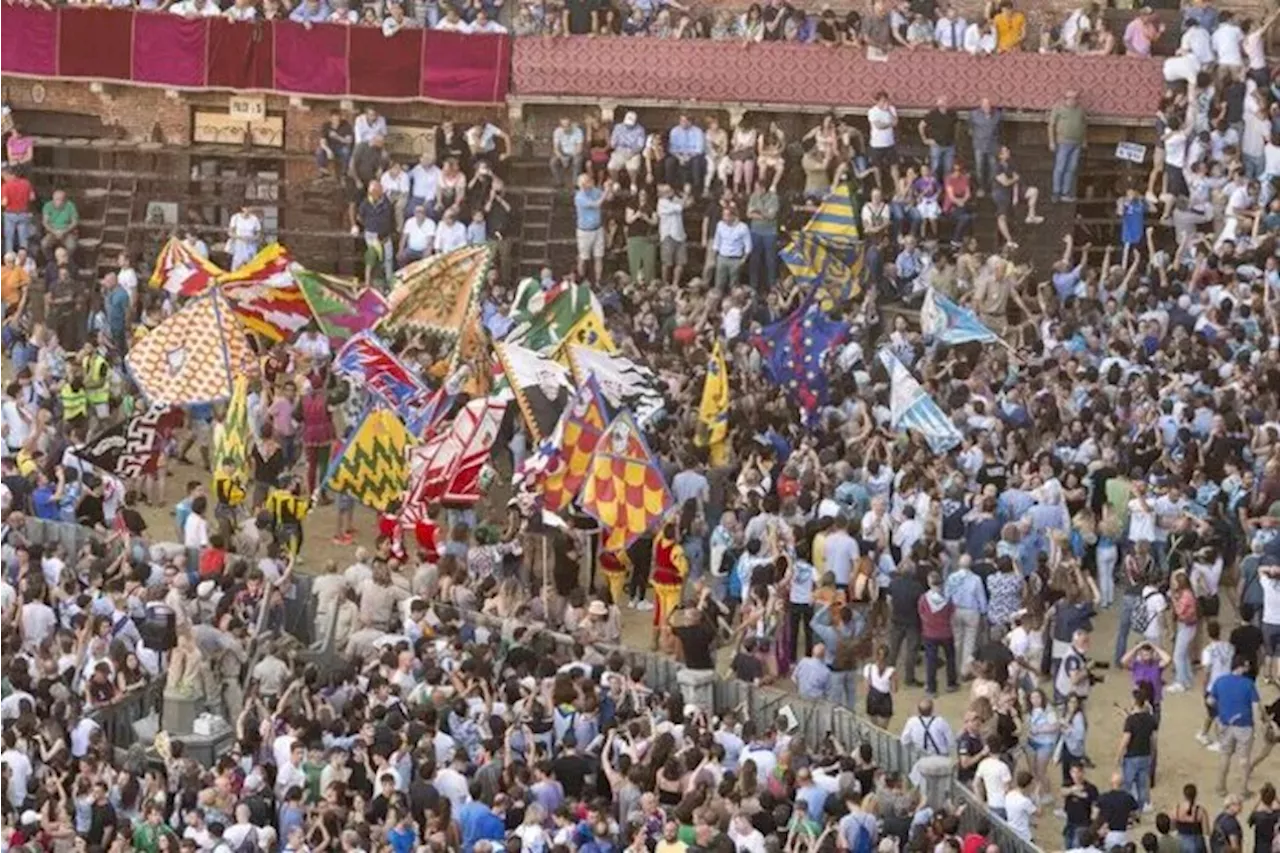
(395, 185)
(731, 246)
(948, 32)
(424, 182)
(1196, 41)
(19, 767)
(567, 146)
(418, 238)
(1018, 807)
(368, 125)
(840, 552)
(245, 232)
(450, 234)
(196, 8)
(1228, 41)
(993, 778)
(38, 623)
(671, 234)
(313, 344)
(883, 118)
(195, 532)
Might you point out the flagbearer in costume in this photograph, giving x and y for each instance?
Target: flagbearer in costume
(616, 568)
(229, 492)
(670, 566)
(288, 508)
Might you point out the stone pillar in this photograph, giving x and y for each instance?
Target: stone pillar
(179, 712)
(935, 774)
(698, 687)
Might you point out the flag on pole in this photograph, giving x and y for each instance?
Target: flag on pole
(231, 435)
(624, 488)
(831, 273)
(131, 448)
(794, 349)
(448, 468)
(626, 385)
(194, 356)
(558, 466)
(181, 271)
(435, 294)
(265, 295)
(836, 221)
(372, 466)
(341, 307)
(950, 323)
(911, 407)
(713, 412)
(540, 386)
(544, 320)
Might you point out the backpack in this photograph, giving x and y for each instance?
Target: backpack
(1142, 616)
(861, 841)
(1218, 838)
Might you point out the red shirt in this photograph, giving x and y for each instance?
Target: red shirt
(974, 843)
(17, 195)
(959, 186)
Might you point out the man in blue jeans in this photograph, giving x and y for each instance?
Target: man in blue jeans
(1066, 140)
(1136, 746)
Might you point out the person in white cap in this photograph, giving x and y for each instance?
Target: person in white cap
(625, 146)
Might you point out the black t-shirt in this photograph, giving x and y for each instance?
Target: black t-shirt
(89, 511)
(747, 667)
(1264, 828)
(1114, 809)
(1141, 728)
(580, 15)
(571, 771)
(1079, 806)
(941, 127)
(829, 30)
(101, 818)
(904, 596)
(133, 521)
(993, 474)
(696, 641)
(1247, 641)
(967, 746)
(1225, 827)
(339, 136)
(998, 656)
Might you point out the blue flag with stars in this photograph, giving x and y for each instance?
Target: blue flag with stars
(793, 351)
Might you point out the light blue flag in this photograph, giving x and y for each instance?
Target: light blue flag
(911, 407)
(948, 322)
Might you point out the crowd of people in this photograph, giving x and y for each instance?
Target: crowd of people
(1119, 465)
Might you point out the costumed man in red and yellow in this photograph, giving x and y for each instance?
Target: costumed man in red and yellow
(670, 567)
(616, 566)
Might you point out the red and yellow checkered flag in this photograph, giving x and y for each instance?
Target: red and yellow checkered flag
(624, 489)
(579, 434)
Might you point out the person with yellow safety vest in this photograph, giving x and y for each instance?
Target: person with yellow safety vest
(75, 400)
(97, 382)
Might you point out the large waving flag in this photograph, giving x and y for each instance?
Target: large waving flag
(540, 386)
(794, 349)
(181, 271)
(372, 466)
(366, 360)
(713, 411)
(193, 356)
(624, 489)
(132, 447)
(836, 221)
(436, 293)
(265, 295)
(231, 435)
(911, 407)
(341, 307)
(831, 273)
(558, 466)
(626, 385)
(545, 320)
(950, 323)
(448, 468)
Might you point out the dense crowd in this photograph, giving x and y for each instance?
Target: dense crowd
(1120, 459)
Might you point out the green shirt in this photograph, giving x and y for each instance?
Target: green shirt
(60, 218)
(1067, 123)
(146, 837)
